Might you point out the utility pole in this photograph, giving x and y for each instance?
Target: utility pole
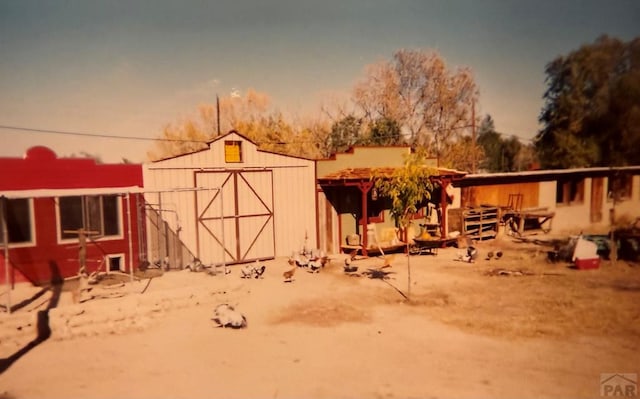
(437, 141)
(473, 136)
(218, 113)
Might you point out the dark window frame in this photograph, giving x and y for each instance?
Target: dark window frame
(101, 215)
(22, 233)
(228, 145)
(570, 191)
(622, 183)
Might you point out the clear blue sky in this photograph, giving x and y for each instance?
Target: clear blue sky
(129, 67)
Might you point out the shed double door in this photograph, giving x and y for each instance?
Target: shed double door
(235, 218)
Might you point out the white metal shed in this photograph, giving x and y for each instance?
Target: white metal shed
(235, 203)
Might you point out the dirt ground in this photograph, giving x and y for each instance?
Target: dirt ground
(549, 331)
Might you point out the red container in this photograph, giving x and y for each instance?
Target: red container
(583, 264)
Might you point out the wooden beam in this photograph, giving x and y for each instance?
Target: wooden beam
(364, 187)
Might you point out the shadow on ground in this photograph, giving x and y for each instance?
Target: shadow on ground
(43, 328)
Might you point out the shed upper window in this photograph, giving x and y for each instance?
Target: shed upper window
(233, 151)
(19, 222)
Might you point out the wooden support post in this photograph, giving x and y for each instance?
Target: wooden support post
(83, 276)
(82, 247)
(5, 238)
(365, 187)
(443, 208)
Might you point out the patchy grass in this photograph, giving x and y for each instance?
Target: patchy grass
(552, 301)
(547, 300)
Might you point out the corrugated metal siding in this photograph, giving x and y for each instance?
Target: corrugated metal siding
(207, 209)
(285, 184)
(294, 201)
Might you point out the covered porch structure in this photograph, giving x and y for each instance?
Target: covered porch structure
(351, 191)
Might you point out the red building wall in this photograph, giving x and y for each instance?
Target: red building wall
(41, 169)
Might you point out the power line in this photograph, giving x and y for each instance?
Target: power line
(140, 138)
(99, 135)
(122, 137)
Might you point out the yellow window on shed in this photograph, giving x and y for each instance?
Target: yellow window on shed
(232, 151)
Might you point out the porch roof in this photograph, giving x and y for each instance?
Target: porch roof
(352, 175)
(543, 175)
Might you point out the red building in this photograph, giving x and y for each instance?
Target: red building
(46, 200)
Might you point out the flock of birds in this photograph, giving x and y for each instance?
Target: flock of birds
(226, 315)
(309, 260)
(497, 255)
(252, 271)
(471, 255)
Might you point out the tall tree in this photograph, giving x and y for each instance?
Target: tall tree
(592, 106)
(384, 131)
(503, 154)
(181, 137)
(250, 114)
(459, 154)
(345, 133)
(526, 158)
(491, 142)
(511, 147)
(407, 188)
(430, 102)
(312, 137)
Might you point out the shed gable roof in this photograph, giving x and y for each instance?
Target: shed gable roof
(217, 143)
(232, 133)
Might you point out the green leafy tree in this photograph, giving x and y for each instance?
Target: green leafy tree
(345, 133)
(503, 154)
(591, 114)
(407, 188)
(491, 143)
(526, 158)
(384, 131)
(511, 147)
